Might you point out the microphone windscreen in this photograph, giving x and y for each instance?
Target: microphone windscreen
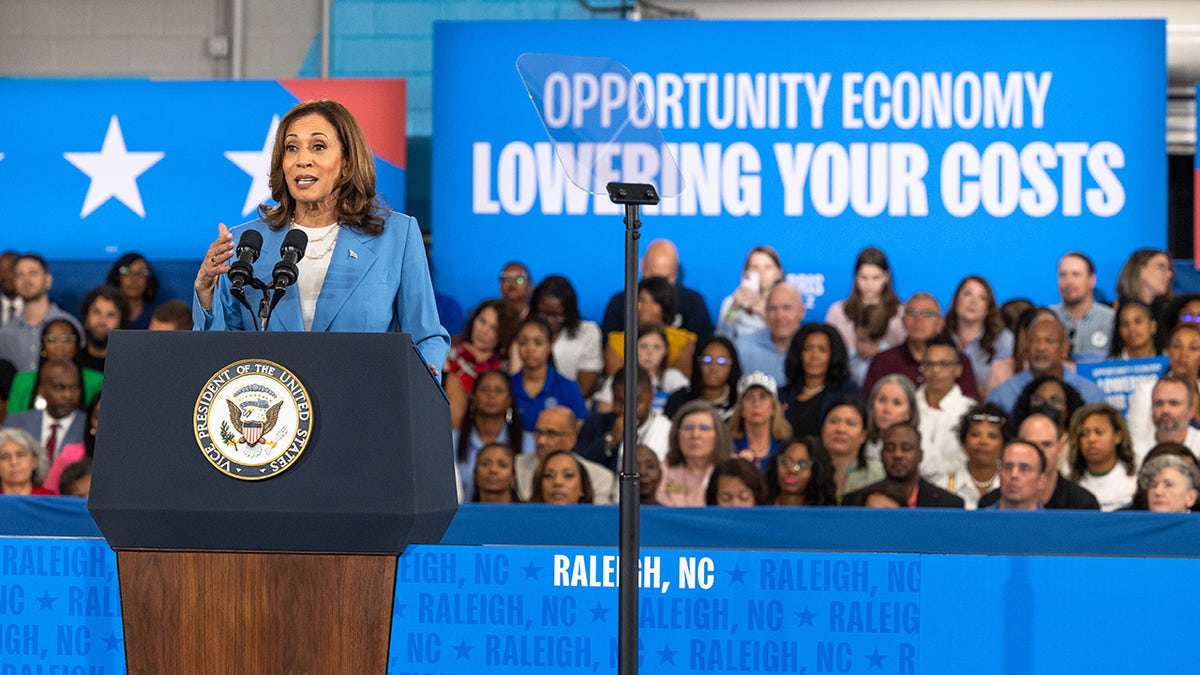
(296, 240)
(251, 241)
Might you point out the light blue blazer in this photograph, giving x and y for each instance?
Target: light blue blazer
(375, 284)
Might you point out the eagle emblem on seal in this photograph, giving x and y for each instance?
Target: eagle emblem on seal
(253, 419)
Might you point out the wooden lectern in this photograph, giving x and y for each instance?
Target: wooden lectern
(292, 573)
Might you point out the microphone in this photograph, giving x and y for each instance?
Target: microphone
(290, 253)
(248, 248)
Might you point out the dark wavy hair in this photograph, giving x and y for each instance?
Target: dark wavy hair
(848, 402)
(588, 493)
(839, 359)
(558, 286)
(1118, 343)
(114, 275)
(741, 469)
(1024, 406)
(506, 324)
(110, 293)
(821, 490)
(872, 255)
(735, 366)
(663, 293)
(515, 428)
(357, 203)
(512, 456)
(993, 323)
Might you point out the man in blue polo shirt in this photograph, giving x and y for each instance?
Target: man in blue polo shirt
(1089, 324)
(1048, 347)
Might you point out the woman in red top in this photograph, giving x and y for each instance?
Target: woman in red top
(483, 346)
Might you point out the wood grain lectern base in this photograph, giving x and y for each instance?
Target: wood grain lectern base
(212, 612)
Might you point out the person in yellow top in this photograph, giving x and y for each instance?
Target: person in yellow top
(656, 304)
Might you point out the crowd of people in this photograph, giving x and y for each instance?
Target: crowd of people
(884, 403)
(887, 402)
(52, 367)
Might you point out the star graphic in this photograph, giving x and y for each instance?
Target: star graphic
(114, 171)
(599, 613)
(531, 571)
(463, 651)
(876, 659)
(806, 617)
(737, 575)
(398, 610)
(112, 642)
(257, 163)
(667, 655)
(46, 601)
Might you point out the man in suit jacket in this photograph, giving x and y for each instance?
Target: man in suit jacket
(62, 420)
(901, 456)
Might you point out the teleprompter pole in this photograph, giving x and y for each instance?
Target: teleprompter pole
(632, 196)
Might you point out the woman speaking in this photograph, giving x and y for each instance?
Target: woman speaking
(364, 269)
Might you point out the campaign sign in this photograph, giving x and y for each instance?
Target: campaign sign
(1118, 379)
(93, 169)
(958, 147)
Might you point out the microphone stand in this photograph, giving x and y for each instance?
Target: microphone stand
(632, 196)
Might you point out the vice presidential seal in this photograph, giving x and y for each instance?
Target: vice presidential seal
(253, 419)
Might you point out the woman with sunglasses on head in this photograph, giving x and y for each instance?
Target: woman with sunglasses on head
(982, 432)
(716, 370)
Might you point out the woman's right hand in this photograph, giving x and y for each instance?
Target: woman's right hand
(215, 264)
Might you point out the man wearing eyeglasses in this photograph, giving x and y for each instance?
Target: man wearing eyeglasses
(901, 457)
(104, 310)
(557, 429)
(1055, 491)
(941, 405)
(1089, 324)
(1022, 478)
(923, 321)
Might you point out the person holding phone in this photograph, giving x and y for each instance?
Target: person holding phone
(745, 310)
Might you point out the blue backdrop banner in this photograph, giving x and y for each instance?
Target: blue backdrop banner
(959, 147)
(553, 609)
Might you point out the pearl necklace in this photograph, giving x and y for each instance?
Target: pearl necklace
(330, 235)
